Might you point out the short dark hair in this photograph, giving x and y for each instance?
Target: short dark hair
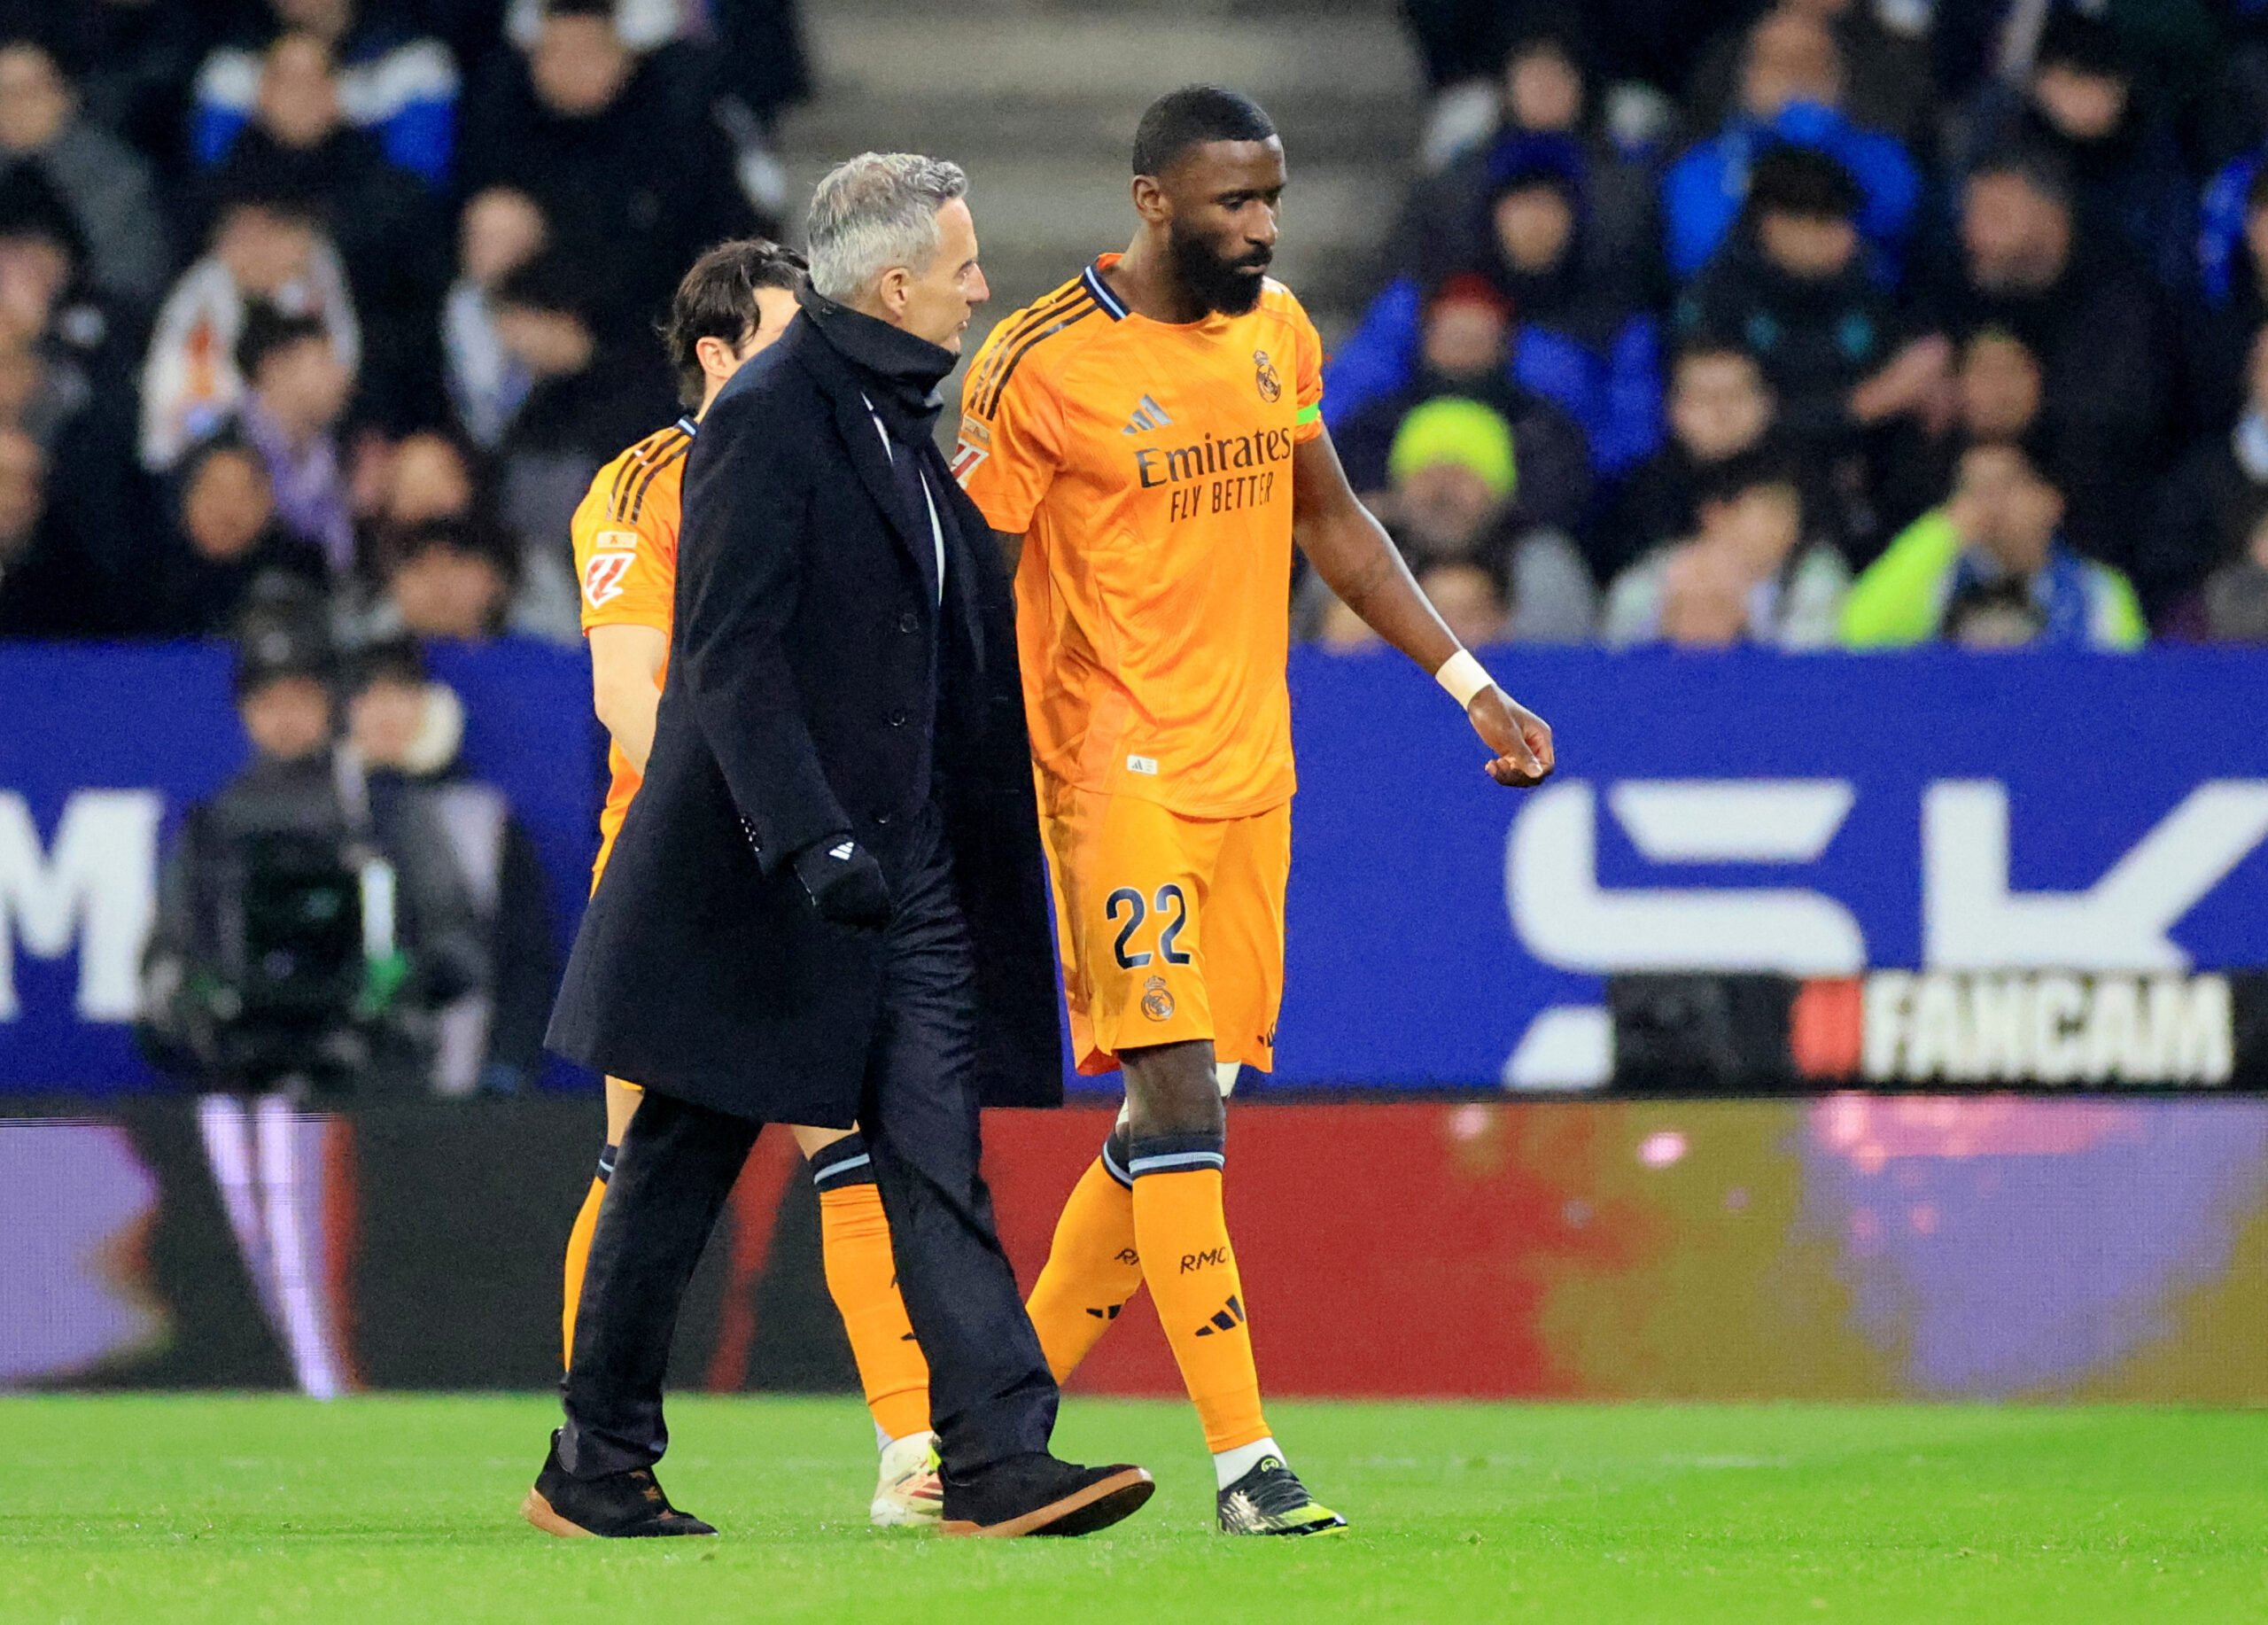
(2083, 44)
(2256, 195)
(1191, 117)
(1758, 468)
(267, 330)
(1797, 181)
(405, 544)
(1708, 344)
(549, 282)
(578, 8)
(2045, 172)
(716, 300)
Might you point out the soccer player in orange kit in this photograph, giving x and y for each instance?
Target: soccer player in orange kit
(733, 304)
(1147, 439)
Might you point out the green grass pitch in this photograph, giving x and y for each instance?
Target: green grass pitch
(160, 1510)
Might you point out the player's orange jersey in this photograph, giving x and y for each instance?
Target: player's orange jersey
(1149, 466)
(626, 558)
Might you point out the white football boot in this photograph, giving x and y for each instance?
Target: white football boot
(909, 1494)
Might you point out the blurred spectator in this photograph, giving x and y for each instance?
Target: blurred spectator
(501, 230)
(133, 61)
(409, 731)
(1469, 598)
(295, 389)
(1541, 92)
(1464, 342)
(2218, 328)
(1791, 89)
(68, 378)
(301, 149)
(1749, 573)
(590, 398)
(2234, 602)
(47, 587)
(1991, 568)
(635, 182)
(1998, 390)
(1720, 406)
(2230, 251)
(2080, 103)
(400, 85)
(261, 248)
(228, 549)
(2091, 315)
(1890, 86)
(1581, 339)
(104, 183)
(1453, 476)
(269, 968)
(443, 579)
(1790, 284)
(2210, 507)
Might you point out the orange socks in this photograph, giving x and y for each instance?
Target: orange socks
(1093, 1267)
(1182, 1234)
(862, 1277)
(579, 1253)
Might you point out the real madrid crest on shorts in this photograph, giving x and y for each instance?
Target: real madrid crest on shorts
(1264, 374)
(1157, 999)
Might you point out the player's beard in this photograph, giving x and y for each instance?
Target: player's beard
(1230, 286)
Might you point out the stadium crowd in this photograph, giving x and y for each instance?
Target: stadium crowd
(1857, 324)
(348, 299)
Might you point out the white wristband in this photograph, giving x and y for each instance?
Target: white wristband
(1464, 677)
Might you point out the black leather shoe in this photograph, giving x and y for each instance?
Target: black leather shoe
(1039, 1495)
(621, 1505)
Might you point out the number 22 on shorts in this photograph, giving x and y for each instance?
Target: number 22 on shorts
(1126, 903)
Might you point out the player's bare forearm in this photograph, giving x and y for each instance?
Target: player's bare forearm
(625, 686)
(1358, 561)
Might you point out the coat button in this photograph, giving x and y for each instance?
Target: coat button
(897, 719)
(909, 622)
(881, 818)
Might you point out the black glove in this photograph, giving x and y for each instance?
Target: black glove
(845, 884)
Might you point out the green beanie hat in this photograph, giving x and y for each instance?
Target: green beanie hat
(1455, 431)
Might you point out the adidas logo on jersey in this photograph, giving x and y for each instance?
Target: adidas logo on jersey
(1148, 414)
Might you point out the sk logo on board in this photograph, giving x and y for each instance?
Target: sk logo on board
(1264, 374)
(1157, 999)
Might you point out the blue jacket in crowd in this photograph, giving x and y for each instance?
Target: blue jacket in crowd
(402, 89)
(1613, 392)
(2220, 227)
(1704, 190)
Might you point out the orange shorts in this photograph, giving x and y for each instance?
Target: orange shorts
(1170, 928)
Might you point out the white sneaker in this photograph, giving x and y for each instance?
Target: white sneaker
(909, 1494)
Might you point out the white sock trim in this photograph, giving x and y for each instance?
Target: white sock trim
(1229, 1465)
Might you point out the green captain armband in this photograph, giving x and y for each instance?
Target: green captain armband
(1308, 415)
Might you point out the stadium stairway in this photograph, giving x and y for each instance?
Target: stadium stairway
(1038, 99)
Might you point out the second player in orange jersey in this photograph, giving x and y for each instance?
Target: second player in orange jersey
(733, 304)
(1148, 440)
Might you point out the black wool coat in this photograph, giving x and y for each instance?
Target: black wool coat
(808, 651)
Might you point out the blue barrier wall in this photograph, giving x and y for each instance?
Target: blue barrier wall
(1819, 816)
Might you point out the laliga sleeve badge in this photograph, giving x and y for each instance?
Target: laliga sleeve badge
(603, 577)
(974, 446)
(1157, 999)
(1263, 376)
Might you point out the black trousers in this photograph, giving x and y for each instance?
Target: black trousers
(990, 1395)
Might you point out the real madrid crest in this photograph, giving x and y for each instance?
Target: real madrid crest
(1157, 999)
(1263, 374)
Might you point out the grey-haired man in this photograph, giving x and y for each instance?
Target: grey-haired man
(827, 903)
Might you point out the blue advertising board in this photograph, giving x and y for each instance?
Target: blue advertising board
(1941, 829)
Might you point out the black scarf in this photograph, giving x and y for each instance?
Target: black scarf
(900, 370)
